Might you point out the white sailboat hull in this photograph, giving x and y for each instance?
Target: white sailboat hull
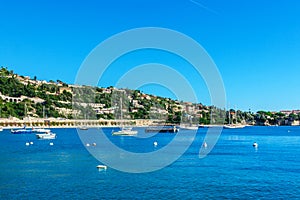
(125, 131)
(46, 136)
(233, 126)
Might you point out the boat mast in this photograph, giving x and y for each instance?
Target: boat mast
(25, 110)
(121, 112)
(229, 115)
(235, 116)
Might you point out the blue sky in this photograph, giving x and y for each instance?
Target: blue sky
(255, 44)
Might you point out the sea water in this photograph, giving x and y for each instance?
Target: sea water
(234, 169)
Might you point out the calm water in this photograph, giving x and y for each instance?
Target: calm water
(234, 169)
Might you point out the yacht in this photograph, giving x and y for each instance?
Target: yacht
(232, 126)
(125, 131)
(46, 135)
(41, 130)
(189, 126)
(1, 128)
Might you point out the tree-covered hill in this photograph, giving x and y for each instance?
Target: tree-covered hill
(21, 96)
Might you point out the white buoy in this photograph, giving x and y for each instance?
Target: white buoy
(31, 143)
(27, 144)
(255, 145)
(204, 145)
(87, 144)
(51, 144)
(155, 144)
(94, 144)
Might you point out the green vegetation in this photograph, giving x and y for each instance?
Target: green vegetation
(22, 96)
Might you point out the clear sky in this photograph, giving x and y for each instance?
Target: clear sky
(254, 43)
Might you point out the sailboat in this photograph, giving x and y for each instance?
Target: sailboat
(42, 133)
(125, 131)
(84, 126)
(231, 125)
(23, 130)
(42, 130)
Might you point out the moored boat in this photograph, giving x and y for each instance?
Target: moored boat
(125, 131)
(22, 131)
(46, 135)
(29, 130)
(233, 126)
(101, 167)
(41, 130)
(162, 129)
(83, 128)
(189, 126)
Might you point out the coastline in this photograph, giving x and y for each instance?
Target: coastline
(101, 123)
(71, 123)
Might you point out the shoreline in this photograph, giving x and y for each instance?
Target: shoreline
(118, 126)
(71, 123)
(101, 123)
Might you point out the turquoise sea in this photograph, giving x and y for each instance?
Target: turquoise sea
(233, 170)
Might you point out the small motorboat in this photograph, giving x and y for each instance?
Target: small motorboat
(233, 126)
(46, 135)
(125, 131)
(22, 131)
(83, 128)
(41, 130)
(101, 167)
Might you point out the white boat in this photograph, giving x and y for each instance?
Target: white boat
(83, 128)
(125, 131)
(189, 126)
(41, 130)
(233, 126)
(46, 135)
(1, 128)
(101, 167)
(23, 130)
